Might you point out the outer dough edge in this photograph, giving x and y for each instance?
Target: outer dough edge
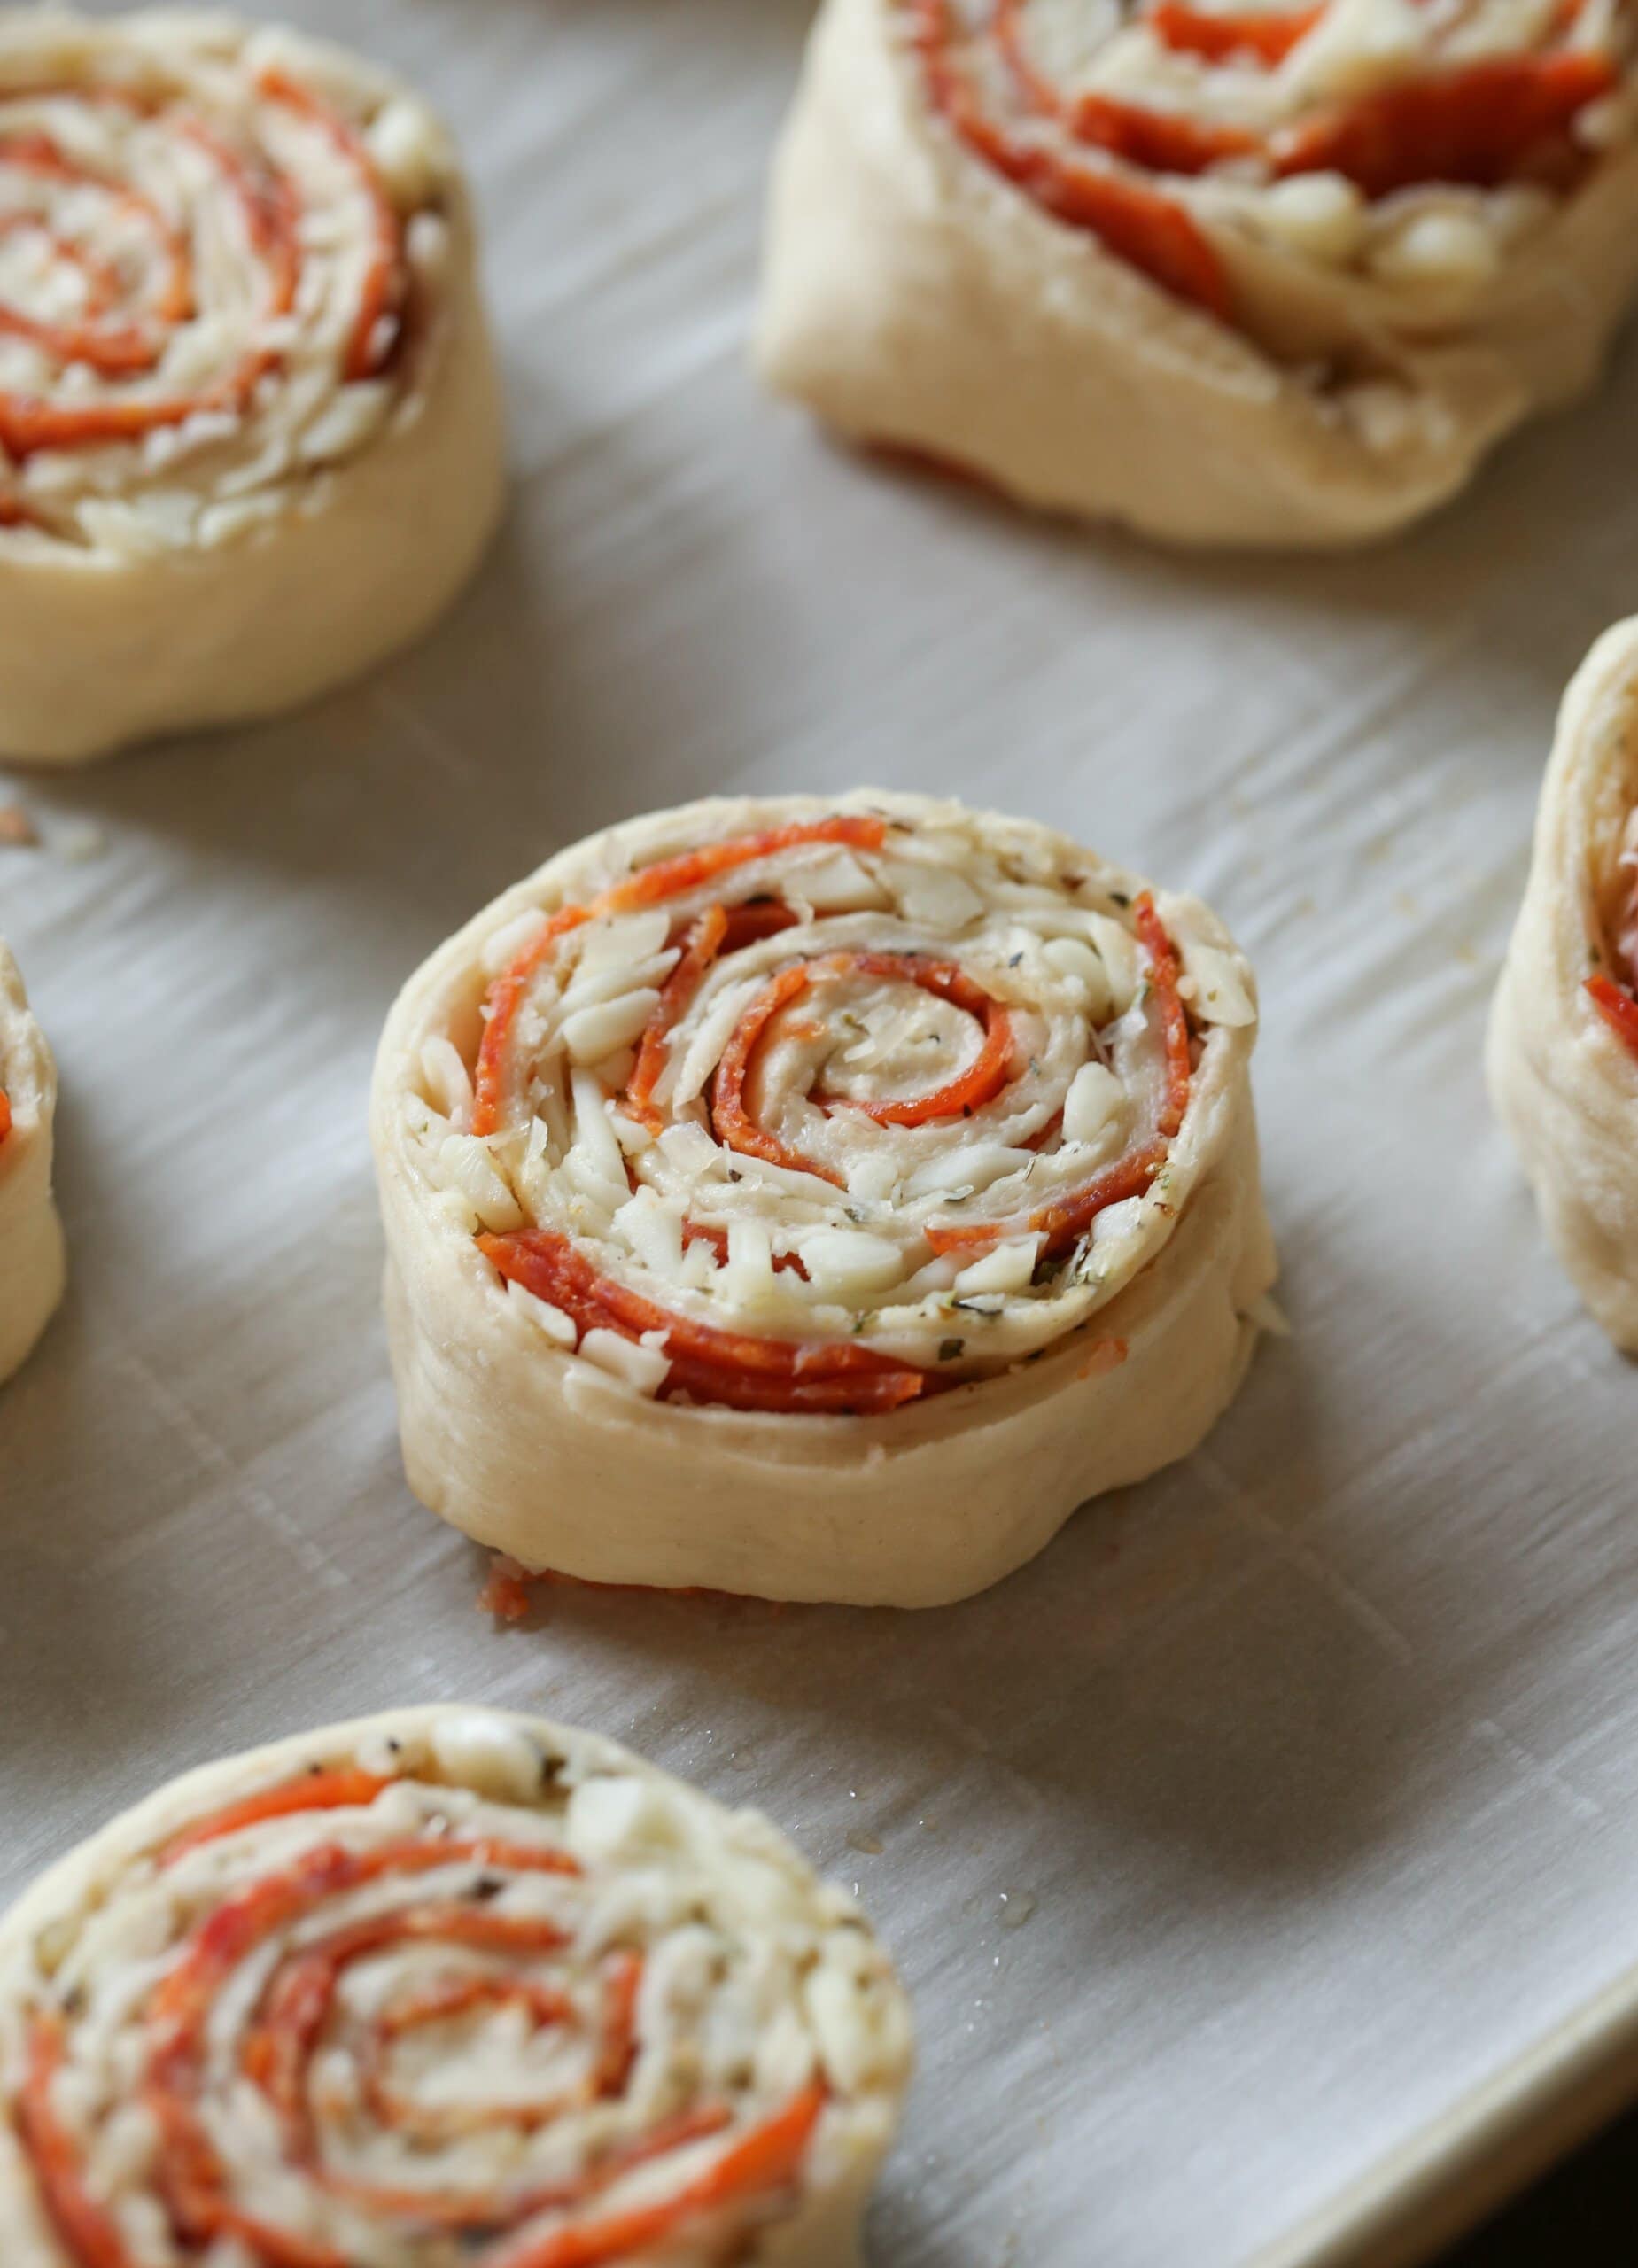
(1562, 1084)
(538, 1454)
(855, 2142)
(912, 297)
(97, 653)
(33, 1265)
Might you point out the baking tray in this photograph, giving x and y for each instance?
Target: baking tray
(1262, 1859)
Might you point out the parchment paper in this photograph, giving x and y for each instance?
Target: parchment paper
(1283, 1799)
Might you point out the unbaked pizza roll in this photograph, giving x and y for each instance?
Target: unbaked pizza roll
(31, 1236)
(815, 1199)
(1275, 275)
(250, 437)
(441, 1989)
(1564, 1032)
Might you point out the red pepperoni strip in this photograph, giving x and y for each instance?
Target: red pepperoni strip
(1165, 973)
(619, 2041)
(1062, 1223)
(370, 345)
(505, 997)
(731, 1115)
(708, 1365)
(1616, 1006)
(719, 930)
(1135, 223)
(1007, 31)
(650, 886)
(448, 2210)
(87, 2236)
(1475, 125)
(1157, 141)
(5, 1114)
(701, 949)
(984, 1077)
(271, 211)
(341, 1790)
(671, 877)
(28, 424)
(764, 2161)
(1268, 36)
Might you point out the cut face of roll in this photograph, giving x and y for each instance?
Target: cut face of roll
(442, 1989)
(1564, 1033)
(31, 1237)
(242, 353)
(1268, 276)
(816, 1200)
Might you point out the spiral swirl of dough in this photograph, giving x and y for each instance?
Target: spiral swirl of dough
(449, 1989)
(823, 1132)
(832, 1112)
(241, 353)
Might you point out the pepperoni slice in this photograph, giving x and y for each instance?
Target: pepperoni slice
(1616, 1006)
(725, 1367)
(1478, 125)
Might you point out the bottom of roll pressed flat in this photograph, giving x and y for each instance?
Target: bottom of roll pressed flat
(443, 1988)
(816, 1200)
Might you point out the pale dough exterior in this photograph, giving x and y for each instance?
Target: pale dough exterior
(856, 2033)
(31, 1236)
(535, 1451)
(1563, 1082)
(102, 643)
(914, 298)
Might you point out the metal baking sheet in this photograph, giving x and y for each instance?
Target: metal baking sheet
(1260, 1852)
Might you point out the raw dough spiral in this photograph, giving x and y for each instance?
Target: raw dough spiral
(249, 429)
(31, 1236)
(815, 1199)
(1564, 1032)
(1270, 275)
(441, 1989)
